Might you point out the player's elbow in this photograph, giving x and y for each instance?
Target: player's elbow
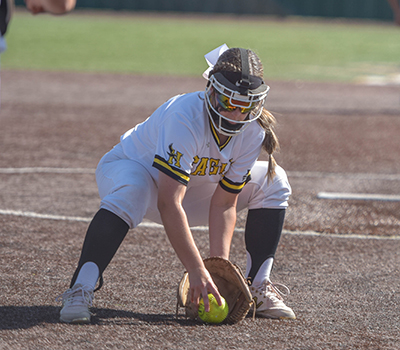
(164, 204)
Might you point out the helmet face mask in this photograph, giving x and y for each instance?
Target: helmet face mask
(226, 91)
(252, 103)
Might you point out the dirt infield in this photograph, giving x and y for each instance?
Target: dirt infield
(340, 258)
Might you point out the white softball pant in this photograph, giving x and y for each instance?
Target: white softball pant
(127, 189)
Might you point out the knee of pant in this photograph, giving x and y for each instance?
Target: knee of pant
(281, 181)
(279, 190)
(270, 194)
(130, 203)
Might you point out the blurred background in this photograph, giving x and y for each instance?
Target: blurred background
(360, 9)
(350, 41)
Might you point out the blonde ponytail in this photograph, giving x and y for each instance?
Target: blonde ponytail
(270, 144)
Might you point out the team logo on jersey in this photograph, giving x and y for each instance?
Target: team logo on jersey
(174, 156)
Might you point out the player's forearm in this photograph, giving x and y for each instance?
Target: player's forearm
(179, 234)
(222, 221)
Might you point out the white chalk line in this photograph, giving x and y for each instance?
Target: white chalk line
(303, 174)
(379, 80)
(359, 196)
(322, 195)
(197, 228)
(41, 170)
(353, 176)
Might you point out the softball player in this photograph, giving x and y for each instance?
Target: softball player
(395, 6)
(55, 7)
(6, 8)
(192, 162)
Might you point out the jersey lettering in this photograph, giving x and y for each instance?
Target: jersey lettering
(210, 166)
(214, 166)
(222, 169)
(201, 167)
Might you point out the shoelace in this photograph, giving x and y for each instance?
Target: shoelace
(275, 287)
(79, 296)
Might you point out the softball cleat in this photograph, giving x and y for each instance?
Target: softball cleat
(268, 300)
(76, 302)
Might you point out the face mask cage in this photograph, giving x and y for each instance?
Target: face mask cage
(223, 124)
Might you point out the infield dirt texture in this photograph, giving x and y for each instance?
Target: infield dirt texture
(339, 258)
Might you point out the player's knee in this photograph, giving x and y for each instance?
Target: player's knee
(129, 202)
(270, 194)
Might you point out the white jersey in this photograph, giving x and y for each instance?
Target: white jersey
(179, 140)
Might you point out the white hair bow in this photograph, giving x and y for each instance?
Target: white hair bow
(212, 58)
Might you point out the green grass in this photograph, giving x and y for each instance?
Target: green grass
(290, 49)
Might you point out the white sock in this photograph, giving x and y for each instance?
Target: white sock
(263, 273)
(88, 275)
(248, 264)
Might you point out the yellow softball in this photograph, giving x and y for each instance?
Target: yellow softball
(217, 313)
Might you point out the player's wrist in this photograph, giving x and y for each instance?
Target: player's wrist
(197, 268)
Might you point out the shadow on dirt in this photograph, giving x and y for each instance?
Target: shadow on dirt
(24, 317)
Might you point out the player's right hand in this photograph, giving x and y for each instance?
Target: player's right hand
(201, 284)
